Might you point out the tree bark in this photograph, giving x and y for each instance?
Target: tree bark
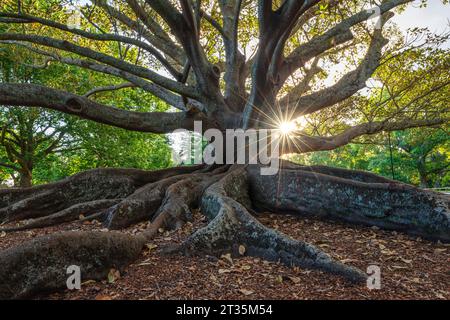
(353, 197)
(25, 178)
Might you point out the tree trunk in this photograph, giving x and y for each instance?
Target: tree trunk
(423, 176)
(25, 178)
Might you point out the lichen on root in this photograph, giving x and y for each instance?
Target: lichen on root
(41, 264)
(353, 197)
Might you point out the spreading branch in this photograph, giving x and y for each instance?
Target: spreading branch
(104, 58)
(97, 36)
(348, 85)
(109, 88)
(301, 143)
(32, 95)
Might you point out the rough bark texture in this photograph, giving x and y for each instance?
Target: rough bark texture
(233, 226)
(143, 204)
(180, 198)
(66, 215)
(353, 197)
(41, 264)
(24, 203)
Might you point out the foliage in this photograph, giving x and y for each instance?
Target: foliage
(54, 145)
(419, 157)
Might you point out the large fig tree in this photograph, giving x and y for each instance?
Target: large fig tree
(231, 64)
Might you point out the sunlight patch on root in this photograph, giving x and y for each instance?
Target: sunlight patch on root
(233, 226)
(67, 215)
(41, 264)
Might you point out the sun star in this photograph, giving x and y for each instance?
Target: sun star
(286, 127)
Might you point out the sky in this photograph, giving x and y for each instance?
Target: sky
(435, 16)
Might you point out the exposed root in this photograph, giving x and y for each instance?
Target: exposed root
(232, 226)
(143, 204)
(226, 196)
(140, 206)
(69, 214)
(180, 198)
(394, 206)
(41, 264)
(38, 205)
(25, 203)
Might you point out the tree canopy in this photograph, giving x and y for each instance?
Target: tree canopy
(219, 62)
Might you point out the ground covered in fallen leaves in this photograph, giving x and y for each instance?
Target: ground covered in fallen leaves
(411, 268)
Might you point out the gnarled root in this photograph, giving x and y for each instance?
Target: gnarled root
(139, 206)
(25, 203)
(180, 198)
(232, 226)
(41, 264)
(353, 198)
(143, 204)
(226, 196)
(69, 214)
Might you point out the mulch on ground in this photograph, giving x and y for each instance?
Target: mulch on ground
(411, 268)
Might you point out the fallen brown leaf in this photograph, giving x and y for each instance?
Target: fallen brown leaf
(246, 292)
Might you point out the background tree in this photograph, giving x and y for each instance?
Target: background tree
(29, 135)
(419, 157)
(54, 145)
(194, 56)
(428, 153)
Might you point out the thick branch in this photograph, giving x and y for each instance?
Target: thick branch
(157, 37)
(109, 60)
(275, 28)
(35, 95)
(235, 60)
(183, 27)
(109, 88)
(303, 143)
(335, 36)
(98, 36)
(347, 86)
(158, 91)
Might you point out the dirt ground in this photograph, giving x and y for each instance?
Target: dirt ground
(411, 268)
